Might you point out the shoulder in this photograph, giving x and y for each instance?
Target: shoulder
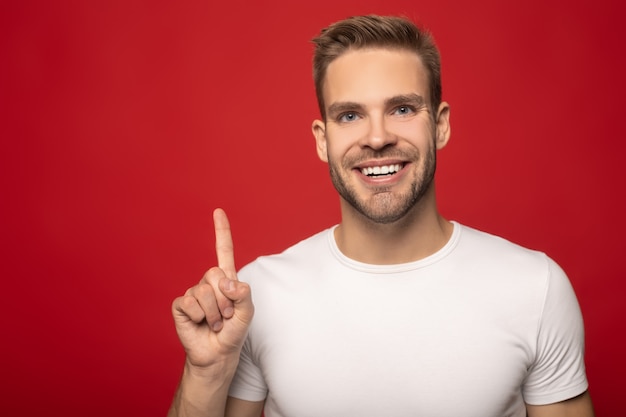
(304, 255)
(494, 251)
(483, 240)
(500, 263)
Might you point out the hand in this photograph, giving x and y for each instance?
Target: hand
(213, 317)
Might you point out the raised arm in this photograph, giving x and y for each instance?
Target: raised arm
(212, 320)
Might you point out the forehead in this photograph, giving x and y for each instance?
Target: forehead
(371, 75)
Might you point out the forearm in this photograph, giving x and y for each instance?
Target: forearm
(203, 392)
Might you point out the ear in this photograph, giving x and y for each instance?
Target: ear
(319, 132)
(443, 125)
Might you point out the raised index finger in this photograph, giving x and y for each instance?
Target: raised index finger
(224, 244)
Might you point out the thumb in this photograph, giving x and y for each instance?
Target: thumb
(241, 296)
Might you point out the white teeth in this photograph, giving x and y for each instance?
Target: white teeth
(381, 170)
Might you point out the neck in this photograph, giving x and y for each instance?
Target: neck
(420, 233)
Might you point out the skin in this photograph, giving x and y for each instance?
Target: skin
(212, 321)
(386, 123)
(376, 116)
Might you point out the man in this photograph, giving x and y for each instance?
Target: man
(396, 311)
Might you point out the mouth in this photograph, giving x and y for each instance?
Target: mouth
(381, 170)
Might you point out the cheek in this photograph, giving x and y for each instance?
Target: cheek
(416, 132)
(341, 140)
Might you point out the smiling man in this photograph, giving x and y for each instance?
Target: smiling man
(395, 311)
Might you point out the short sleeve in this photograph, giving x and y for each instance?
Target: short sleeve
(248, 383)
(558, 372)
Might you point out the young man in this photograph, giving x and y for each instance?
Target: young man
(396, 311)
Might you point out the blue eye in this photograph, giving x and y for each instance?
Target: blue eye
(404, 110)
(348, 117)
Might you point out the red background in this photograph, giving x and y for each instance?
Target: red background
(124, 123)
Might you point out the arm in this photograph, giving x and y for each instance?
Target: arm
(196, 397)
(579, 406)
(240, 408)
(557, 377)
(201, 393)
(212, 321)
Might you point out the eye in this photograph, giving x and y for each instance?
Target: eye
(348, 117)
(404, 110)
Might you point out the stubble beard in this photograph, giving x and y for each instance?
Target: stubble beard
(385, 206)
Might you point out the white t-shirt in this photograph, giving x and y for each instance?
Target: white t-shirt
(476, 329)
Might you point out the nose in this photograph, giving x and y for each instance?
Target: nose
(378, 135)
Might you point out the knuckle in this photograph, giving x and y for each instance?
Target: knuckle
(213, 274)
(204, 291)
(178, 302)
(187, 304)
(187, 301)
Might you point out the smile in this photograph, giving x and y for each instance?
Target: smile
(382, 170)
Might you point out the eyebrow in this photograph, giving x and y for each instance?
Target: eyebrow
(414, 99)
(345, 106)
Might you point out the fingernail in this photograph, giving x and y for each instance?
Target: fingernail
(230, 285)
(228, 312)
(217, 326)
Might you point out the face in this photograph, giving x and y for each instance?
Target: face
(380, 137)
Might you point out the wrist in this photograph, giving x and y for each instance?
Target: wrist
(221, 370)
(203, 390)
